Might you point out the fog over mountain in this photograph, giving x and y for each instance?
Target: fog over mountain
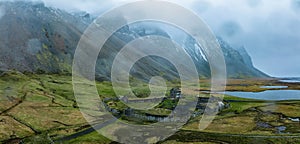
(38, 38)
(269, 30)
(2, 12)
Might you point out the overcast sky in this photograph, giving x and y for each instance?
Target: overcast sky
(268, 29)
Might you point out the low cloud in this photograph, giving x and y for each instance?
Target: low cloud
(254, 3)
(295, 5)
(91, 6)
(96, 6)
(2, 12)
(200, 6)
(230, 31)
(268, 29)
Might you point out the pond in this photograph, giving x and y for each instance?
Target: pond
(272, 95)
(274, 87)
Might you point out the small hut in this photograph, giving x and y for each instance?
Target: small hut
(175, 93)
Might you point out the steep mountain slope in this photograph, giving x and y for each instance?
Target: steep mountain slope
(239, 64)
(37, 38)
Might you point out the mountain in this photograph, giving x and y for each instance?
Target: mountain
(36, 38)
(239, 63)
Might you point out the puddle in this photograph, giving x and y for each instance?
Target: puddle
(263, 125)
(281, 129)
(294, 119)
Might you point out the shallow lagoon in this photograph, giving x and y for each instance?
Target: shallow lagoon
(272, 95)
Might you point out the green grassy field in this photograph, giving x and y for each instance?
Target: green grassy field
(42, 108)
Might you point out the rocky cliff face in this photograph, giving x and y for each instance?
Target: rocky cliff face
(239, 63)
(37, 38)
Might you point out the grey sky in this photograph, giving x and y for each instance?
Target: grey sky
(1, 12)
(268, 29)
